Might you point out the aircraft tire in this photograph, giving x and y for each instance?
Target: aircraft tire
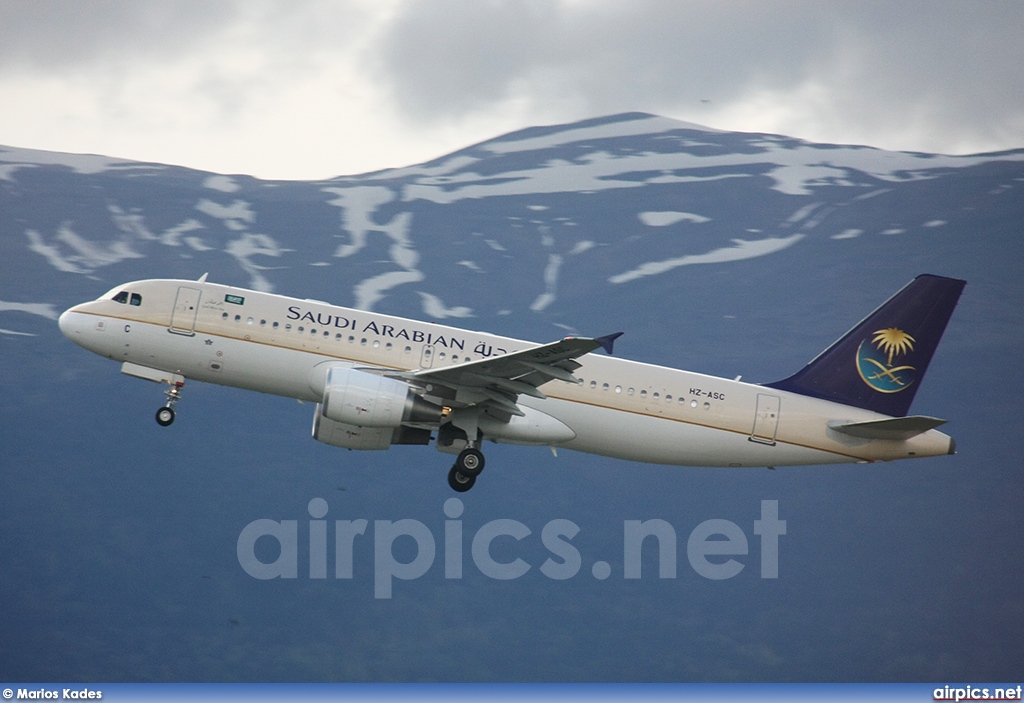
(470, 462)
(459, 482)
(165, 416)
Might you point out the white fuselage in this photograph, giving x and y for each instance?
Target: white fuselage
(625, 409)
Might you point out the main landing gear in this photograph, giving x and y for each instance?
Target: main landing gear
(165, 415)
(467, 467)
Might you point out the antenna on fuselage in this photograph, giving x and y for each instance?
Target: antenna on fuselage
(202, 279)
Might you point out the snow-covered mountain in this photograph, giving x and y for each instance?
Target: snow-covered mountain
(720, 252)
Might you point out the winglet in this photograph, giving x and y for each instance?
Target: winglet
(607, 341)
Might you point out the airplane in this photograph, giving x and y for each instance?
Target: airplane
(379, 380)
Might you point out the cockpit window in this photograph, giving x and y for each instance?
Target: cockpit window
(121, 297)
(136, 299)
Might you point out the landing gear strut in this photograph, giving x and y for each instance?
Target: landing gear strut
(165, 415)
(468, 466)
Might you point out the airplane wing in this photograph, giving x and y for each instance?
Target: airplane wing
(495, 383)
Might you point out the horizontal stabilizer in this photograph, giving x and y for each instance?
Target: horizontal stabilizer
(892, 428)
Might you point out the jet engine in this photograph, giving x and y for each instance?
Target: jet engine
(339, 434)
(365, 411)
(367, 400)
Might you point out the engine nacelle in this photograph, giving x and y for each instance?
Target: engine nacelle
(339, 434)
(367, 400)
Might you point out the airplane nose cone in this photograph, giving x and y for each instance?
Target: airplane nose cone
(63, 322)
(69, 323)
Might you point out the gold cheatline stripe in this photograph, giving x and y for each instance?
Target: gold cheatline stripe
(550, 395)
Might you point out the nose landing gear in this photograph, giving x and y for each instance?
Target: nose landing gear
(165, 415)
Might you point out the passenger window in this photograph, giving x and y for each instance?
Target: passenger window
(121, 297)
(276, 324)
(643, 394)
(249, 321)
(136, 299)
(224, 315)
(604, 387)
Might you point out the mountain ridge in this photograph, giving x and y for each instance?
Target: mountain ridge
(724, 253)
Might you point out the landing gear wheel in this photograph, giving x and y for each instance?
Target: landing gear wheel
(459, 481)
(165, 416)
(470, 462)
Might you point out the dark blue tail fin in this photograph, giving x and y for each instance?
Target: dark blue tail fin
(879, 364)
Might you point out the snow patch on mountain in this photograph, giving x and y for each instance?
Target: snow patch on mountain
(550, 284)
(225, 184)
(235, 216)
(245, 248)
(357, 207)
(664, 219)
(47, 310)
(369, 291)
(435, 308)
(848, 234)
(743, 249)
(640, 125)
(70, 252)
(16, 158)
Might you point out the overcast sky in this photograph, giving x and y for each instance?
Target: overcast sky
(318, 88)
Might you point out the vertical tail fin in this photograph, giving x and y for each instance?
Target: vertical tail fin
(879, 364)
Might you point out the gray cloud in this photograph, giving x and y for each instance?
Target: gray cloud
(54, 35)
(381, 82)
(951, 69)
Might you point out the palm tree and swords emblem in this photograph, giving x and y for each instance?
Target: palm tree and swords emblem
(875, 361)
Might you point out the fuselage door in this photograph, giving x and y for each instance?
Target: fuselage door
(766, 419)
(186, 307)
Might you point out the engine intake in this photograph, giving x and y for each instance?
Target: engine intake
(363, 399)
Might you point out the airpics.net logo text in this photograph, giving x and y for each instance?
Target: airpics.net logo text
(712, 547)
